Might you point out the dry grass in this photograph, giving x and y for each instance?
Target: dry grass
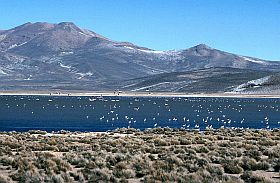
(128, 155)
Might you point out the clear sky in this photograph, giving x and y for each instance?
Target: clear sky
(247, 27)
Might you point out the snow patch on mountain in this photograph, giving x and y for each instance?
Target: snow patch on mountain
(2, 72)
(65, 66)
(29, 78)
(128, 47)
(88, 33)
(146, 51)
(12, 46)
(253, 60)
(66, 53)
(147, 87)
(251, 84)
(170, 55)
(16, 45)
(82, 75)
(150, 51)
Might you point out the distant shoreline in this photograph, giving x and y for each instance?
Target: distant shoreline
(133, 94)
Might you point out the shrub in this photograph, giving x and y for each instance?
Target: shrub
(174, 160)
(77, 160)
(123, 173)
(201, 162)
(37, 132)
(190, 151)
(184, 141)
(273, 152)
(121, 165)
(263, 166)
(202, 149)
(276, 166)
(199, 140)
(141, 167)
(192, 167)
(215, 170)
(61, 166)
(232, 168)
(254, 153)
(98, 175)
(249, 164)
(23, 164)
(160, 142)
(4, 179)
(174, 142)
(57, 179)
(77, 176)
(266, 142)
(162, 176)
(247, 176)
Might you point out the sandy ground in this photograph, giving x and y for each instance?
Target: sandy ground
(135, 94)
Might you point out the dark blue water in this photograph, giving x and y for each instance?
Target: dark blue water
(22, 113)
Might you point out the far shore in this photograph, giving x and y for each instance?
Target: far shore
(134, 94)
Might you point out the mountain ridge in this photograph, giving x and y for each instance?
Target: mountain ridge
(72, 25)
(42, 53)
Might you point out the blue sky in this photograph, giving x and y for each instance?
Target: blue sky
(247, 27)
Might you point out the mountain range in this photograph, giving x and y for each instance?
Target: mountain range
(45, 56)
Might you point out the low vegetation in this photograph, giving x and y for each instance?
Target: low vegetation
(129, 155)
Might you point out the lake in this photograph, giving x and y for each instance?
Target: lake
(53, 113)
